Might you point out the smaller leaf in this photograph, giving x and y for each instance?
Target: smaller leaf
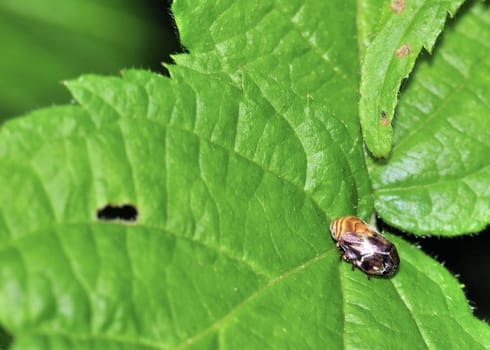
(438, 177)
(389, 59)
(371, 17)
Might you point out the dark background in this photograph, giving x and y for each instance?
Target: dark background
(467, 257)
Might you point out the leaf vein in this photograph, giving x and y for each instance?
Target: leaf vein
(442, 105)
(216, 325)
(411, 313)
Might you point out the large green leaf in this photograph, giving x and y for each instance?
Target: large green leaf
(236, 169)
(437, 179)
(309, 48)
(389, 58)
(227, 198)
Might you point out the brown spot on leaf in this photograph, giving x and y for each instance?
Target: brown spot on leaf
(397, 6)
(403, 50)
(384, 121)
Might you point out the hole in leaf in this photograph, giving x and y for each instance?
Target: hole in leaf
(5, 339)
(125, 212)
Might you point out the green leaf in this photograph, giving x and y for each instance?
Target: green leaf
(390, 58)
(421, 307)
(45, 42)
(236, 169)
(231, 194)
(371, 16)
(309, 48)
(438, 177)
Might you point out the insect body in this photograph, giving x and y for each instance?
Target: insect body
(364, 247)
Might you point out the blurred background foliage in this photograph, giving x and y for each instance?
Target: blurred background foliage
(46, 42)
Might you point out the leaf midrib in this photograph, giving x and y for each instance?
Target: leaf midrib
(217, 324)
(48, 230)
(399, 186)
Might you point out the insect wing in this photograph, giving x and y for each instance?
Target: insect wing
(351, 244)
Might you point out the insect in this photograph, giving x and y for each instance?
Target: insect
(364, 247)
